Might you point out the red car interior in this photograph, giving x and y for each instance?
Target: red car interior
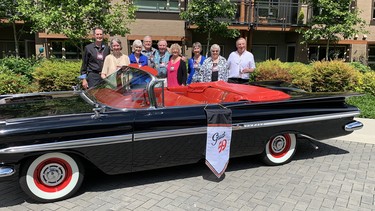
(197, 93)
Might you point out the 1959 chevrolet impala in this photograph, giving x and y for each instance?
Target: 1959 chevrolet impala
(132, 122)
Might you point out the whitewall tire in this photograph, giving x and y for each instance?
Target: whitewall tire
(51, 177)
(280, 149)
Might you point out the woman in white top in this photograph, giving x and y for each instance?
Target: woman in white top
(115, 60)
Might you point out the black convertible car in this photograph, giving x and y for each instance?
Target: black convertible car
(133, 122)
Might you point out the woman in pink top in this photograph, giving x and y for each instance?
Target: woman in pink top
(176, 68)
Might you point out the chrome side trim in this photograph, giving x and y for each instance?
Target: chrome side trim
(353, 126)
(297, 120)
(242, 126)
(68, 144)
(6, 171)
(168, 134)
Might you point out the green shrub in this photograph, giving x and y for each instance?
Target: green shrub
(57, 75)
(272, 70)
(360, 67)
(13, 83)
(365, 103)
(367, 84)
(22, 66)
(301, 75)
(334, 76)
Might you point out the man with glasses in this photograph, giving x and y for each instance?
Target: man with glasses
(241, 63)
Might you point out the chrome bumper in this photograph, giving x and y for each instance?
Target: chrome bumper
(353, 126)
(6, 171)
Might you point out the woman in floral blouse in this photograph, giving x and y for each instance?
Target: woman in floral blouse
(214, 68)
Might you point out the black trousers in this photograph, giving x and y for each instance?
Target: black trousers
(93, 79)
(238, 80)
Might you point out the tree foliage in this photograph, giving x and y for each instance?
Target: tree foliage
(76, 18)
(332, 21)
(209, 16)
(9, 11)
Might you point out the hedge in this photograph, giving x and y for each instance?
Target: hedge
(18, 75)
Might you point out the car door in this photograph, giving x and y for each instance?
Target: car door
(168, 137)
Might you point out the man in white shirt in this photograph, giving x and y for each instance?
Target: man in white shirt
(240, 63)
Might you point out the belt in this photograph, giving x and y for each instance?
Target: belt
(90, 71)
(238, 80)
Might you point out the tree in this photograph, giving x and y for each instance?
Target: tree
(332, 21)
(208, 16)
(8, 11)
(76, 18)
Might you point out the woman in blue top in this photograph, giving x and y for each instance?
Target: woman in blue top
(195, 63)
(136, 57)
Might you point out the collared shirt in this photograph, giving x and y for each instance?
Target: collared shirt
(205, 72)
(112, 63)
(93, 58)
(142, 59)
(161, 63)
(150, 56)
(194, 67)
(237, 63)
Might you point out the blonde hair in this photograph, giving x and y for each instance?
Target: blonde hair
(176, 46)
(136, 43)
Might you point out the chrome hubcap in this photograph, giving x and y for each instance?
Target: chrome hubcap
(52, 174)
(278, 144)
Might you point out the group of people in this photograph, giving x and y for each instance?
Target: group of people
(100, 60)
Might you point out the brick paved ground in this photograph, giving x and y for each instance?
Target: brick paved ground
(338, 176)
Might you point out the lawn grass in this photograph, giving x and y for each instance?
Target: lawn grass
(365, 103)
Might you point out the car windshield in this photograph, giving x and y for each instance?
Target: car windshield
(125, 89)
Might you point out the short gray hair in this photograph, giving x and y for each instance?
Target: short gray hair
(215, 47)
(136, 43)
(198, 45)
(115, 40)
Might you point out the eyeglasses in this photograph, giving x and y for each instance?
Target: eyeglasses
(213, 51)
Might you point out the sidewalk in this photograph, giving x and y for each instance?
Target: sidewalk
(364, 135)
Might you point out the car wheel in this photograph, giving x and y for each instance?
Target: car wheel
(279, 149)
(51, 177)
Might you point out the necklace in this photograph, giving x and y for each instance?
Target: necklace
(197, 60)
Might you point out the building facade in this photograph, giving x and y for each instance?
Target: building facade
(268, 25)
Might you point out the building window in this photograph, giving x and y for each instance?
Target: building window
(64, 49)
(264, 52)
(371, 54)
(318, 53)
(172, 6)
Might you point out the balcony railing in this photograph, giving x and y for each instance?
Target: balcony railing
(249, 12)
(169, 6)
(270, 13)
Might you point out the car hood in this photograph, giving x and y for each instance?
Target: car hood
(42, 104)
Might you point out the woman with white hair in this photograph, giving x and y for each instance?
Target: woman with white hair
(176, 68)
(137, 57)
(214, 68)
(115, 60)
